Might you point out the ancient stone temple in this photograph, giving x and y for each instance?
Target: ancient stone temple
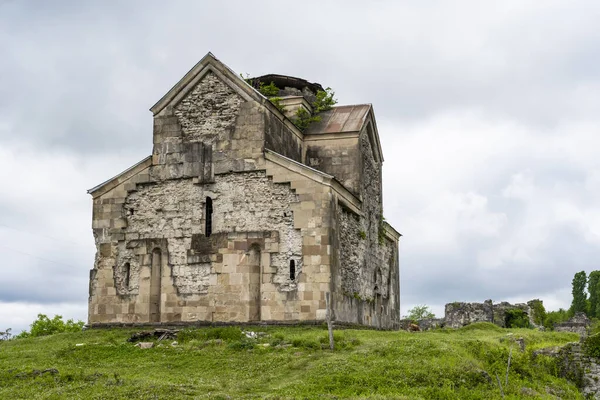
(240, 216)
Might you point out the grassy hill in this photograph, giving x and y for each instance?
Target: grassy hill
(221, 363)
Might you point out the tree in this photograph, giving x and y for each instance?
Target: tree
(579, 296)
(419, 312)
(555, 317)
(593, 290)
(43, 326)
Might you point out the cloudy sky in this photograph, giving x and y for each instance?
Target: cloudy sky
(487, 112)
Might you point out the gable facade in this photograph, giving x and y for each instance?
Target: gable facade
(237, 216)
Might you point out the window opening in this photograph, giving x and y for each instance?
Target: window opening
(127, 274)
(209, 212)
(292, 269)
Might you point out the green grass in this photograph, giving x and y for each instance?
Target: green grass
(220, 363)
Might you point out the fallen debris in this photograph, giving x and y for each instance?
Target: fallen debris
(160, 334)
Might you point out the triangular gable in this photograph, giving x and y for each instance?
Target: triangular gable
(371, 128)
(209, 63)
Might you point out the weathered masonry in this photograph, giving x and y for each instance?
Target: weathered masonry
(238, 216)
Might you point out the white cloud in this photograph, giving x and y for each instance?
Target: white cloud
(19, 316)
(487, 115)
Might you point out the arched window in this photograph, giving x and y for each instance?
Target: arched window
(127, 274)
(208, 215)
(292, 269)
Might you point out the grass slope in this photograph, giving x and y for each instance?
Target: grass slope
(220, 363)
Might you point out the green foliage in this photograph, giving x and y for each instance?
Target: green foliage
(443, 364)
(269, 90)
(44, 326)
(324, 100)
(482, 326)
(246, 78)
(227, 333)
(594, 291)
(362, 235)
(381, 230)
(419, 312)
(303, 119)
(579, 303)
(6, 334)
(516, 318)
(538, 311)
(591, 346)
(276, 101)
(555, 317)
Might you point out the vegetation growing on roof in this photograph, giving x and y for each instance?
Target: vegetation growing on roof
(302, 119)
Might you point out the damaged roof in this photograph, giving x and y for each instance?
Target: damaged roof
(340, 119)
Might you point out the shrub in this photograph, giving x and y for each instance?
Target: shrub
(324, 100)
(516, 318)
(419, 312)
(6, 334)
(303, 119)
(269, 90)
(44, 326)
(555, 317)
(538, 311)
(591, 346)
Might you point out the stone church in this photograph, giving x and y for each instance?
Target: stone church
(240, 216)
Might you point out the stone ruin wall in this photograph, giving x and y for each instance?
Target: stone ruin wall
(367, 281)
(171, 214)
(459, 314)
(579, 324)
(211, 144)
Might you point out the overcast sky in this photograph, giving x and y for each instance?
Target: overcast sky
(487, 112)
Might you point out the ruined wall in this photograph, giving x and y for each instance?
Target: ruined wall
(212, 130)
(245, 206)
(281, 139)
(270, 249)
(366, 277)
(460, 314)
(338, 157)
(579, 324)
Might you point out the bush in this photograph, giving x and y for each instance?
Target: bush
(6, 334)
(555, 317)
(516, 318)
(538, 311)
(269, 90)
(591, 346)
(418, 313)
(44, 326)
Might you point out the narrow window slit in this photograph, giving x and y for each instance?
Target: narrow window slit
(292, 269)
(209, 212)
(127, 274)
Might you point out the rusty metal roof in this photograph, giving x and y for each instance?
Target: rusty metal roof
(340, 119)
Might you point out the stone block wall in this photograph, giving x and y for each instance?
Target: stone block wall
(460, 314)
(224, 223)
(366, 268)
(336, 156)
(579, 324)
